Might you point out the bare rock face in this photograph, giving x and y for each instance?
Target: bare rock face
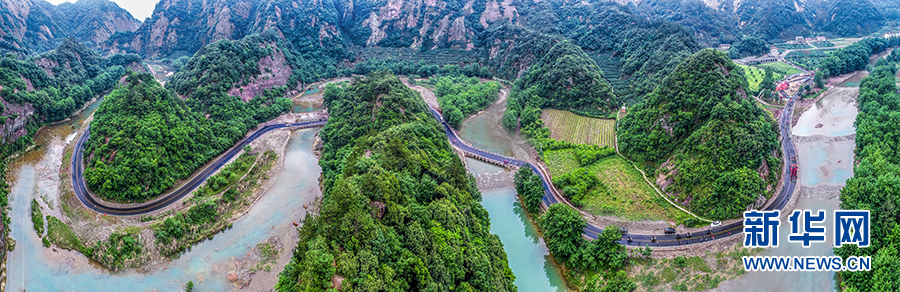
(14, 127)
(274, 72)
(36, 22)
(184, 26)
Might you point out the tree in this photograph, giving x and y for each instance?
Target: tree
(530, 188)
(562, 227)
(189, 287)
(646, 251)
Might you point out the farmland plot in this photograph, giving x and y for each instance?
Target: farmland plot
(573, 128)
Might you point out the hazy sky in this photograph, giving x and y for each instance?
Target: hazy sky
(140, 9)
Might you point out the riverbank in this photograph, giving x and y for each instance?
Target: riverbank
(91, 227)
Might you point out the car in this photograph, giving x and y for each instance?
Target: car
(678, 236)
(688, 235)
(623, 230)
(715, 224)
(670, 230)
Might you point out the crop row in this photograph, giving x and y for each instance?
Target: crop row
(573, 128)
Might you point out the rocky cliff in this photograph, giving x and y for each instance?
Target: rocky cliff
(180, 27)
(31, 26)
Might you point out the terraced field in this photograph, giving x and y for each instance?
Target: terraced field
(612, 72)
(573, 128)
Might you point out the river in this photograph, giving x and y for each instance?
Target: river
(36, 268)
(528, 256)
(825, 159)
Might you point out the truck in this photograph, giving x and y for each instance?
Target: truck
(793, 172)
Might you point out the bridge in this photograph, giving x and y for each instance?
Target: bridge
(550, 195)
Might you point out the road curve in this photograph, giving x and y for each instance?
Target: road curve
(138, 209)
(590, 231)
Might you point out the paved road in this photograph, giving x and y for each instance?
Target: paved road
(550, 197)
(592, 231)
(138, 209)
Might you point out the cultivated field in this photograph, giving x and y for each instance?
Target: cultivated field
(780, 68)
(630, 197)
(755, 76)
(573, 128)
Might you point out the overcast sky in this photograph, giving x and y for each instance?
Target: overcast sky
(140, 9)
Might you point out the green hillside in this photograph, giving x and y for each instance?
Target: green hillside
(399, 211)
(702, 115)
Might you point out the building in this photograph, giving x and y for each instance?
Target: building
(820, 39)
(810, 40)
(800, 40)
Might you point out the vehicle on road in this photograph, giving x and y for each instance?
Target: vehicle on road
(678, 236)
(623, 230)
(715, 224)
(793, 172)
(670, 230)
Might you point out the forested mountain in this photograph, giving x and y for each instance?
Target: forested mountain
(709, 25)
(30, 26)
(873, 186)
(50, 86)
(399, 211)
(715, 22)
(141, 144)
(565, 78)
(184, 26)
(705, 137)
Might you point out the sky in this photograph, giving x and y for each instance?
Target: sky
(140, 9)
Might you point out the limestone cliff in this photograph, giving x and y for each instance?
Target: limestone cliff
(33, 26)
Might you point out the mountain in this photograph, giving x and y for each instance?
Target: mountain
(49, 87)
(399, 212)
(707, 23)
(222, 92)
(565, 78)
(849, 17)
(726, 21)
(710, 144)
(184, 26)
(30, 26)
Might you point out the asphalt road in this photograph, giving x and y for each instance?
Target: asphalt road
(590, 231)
(138, 209)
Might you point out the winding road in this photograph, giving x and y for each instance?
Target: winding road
(550, 197)
(90, 202)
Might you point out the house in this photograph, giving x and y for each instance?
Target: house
(800, 40)
(820, 39)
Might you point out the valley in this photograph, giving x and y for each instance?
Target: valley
(483, 145)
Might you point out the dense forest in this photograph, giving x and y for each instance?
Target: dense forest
(157, 138)
(399, 210)
(710, 26)
(67, 78)
(460, 97)
(874, 185)
(702, 131)
(748, 46)
(565, 78)
(855, 57)
(142, 140)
